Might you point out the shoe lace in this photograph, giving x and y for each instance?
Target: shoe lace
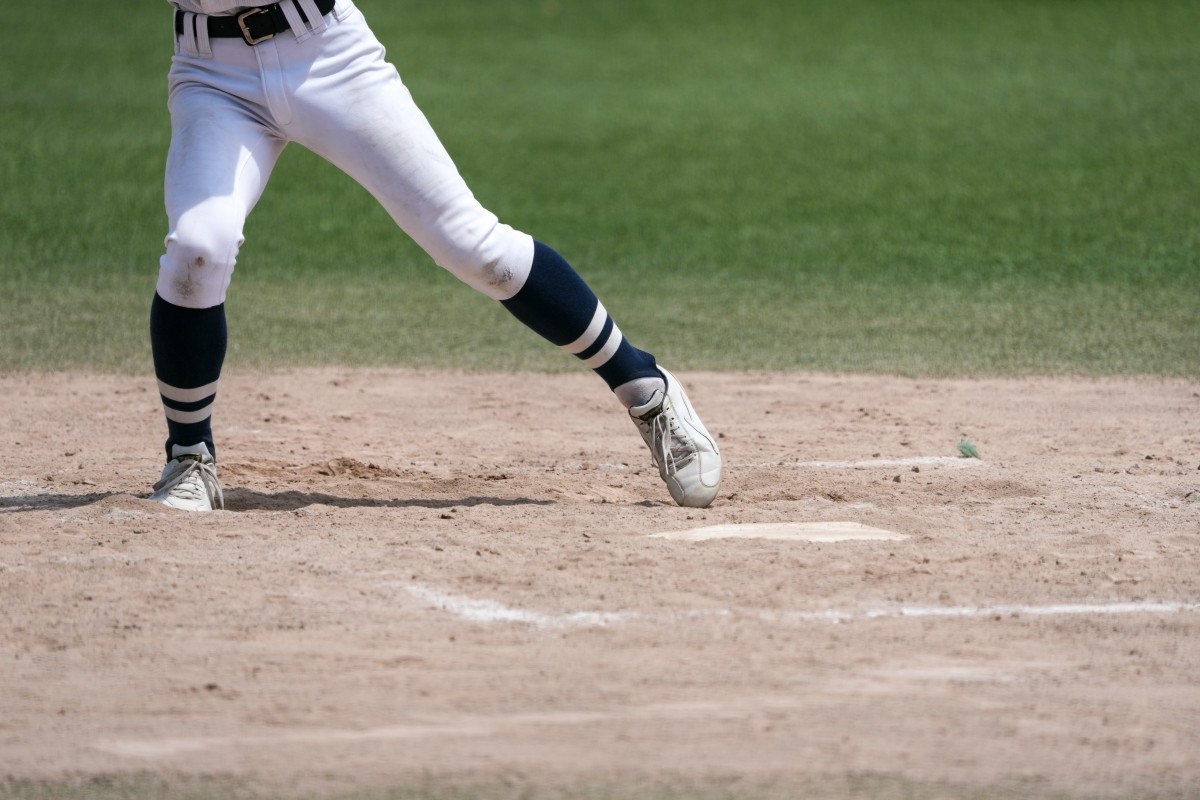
(670, 449)
(190, 477)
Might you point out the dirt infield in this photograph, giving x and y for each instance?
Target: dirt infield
(420, 577)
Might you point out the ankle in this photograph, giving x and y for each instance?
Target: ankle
(639, 391)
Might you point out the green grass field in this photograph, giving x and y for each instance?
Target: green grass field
(926, 188)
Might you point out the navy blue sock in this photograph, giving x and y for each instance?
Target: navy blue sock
(559, 306)
(189, 349)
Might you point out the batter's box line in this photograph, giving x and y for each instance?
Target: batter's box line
(486, 612)
(489, 611)
(975, 612)
(552, 467)
(950, 462)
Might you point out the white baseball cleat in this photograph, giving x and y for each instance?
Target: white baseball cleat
(686, 455)
(189, 481)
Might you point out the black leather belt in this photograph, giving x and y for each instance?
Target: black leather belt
(253, 25)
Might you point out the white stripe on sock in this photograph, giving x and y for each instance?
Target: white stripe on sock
(606, 352)
(590, 335)
(187, 395)
(189, 417)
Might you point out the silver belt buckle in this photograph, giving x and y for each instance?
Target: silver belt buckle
(246, 34)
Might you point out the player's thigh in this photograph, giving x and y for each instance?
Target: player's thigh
(373, 130)
(217, 166)
(219, 149)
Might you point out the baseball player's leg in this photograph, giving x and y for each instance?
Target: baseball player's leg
(556, 303)
(367, 125)
(217, 166)
(384, 141)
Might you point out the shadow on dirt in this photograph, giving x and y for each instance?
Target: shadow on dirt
(51, 502)
(249, 500)
(292, 500)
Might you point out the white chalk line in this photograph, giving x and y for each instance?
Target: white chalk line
(487, 611)
(490, 611)
(953, 462)
(1060, 609)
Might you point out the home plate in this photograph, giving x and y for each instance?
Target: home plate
(793, 531)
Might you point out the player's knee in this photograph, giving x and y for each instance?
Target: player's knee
(197, 265)
(496, 264)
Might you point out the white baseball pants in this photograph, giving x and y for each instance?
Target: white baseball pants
(329, 88)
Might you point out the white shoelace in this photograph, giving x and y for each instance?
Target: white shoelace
(671, 449)
(191, 479)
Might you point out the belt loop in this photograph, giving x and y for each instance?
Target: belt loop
(304, 18)
(203, 45)
(316, 21)
(187, 39)
(295, 21)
